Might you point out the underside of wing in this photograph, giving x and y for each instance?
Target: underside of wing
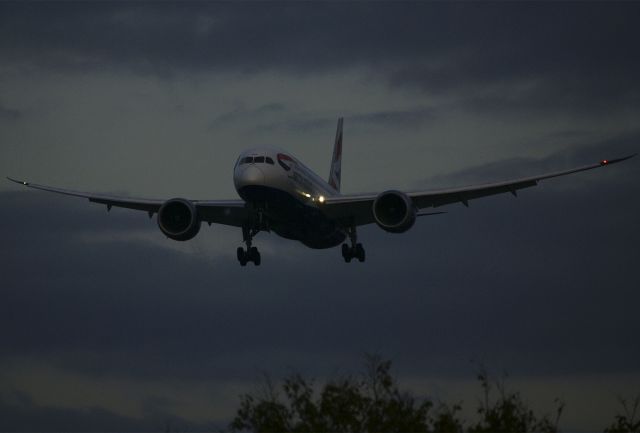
(148, 205)
(358, 209)
(228, 212)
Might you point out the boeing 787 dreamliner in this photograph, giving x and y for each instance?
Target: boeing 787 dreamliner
(280, 194)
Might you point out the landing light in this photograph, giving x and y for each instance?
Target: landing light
(321, 199)
(307, 195)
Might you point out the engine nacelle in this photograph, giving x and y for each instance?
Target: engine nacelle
(178, 219)
(394, 211)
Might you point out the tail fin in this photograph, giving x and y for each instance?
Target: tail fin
(336, 161)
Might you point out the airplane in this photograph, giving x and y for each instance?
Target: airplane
(280, 194)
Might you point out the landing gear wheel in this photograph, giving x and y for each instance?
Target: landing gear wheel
(250, 254)
(359, 253)
(254, 256)
(242, 256)
(346, 253)
(355, 250)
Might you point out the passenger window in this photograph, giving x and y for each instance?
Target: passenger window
(269, 160)
(259, 159)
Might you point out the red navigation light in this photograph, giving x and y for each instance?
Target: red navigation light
(604, 162)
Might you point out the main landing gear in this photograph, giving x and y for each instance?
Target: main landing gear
(251, 254)
(355, 251)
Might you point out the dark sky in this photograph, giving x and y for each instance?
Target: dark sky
(106, 325)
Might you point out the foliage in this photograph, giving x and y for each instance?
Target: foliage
(509, 413)
(626, 422)
(374, 403)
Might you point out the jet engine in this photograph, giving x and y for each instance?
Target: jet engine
(394, 211)
(178, 219)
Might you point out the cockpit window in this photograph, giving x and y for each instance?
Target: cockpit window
(256, 160)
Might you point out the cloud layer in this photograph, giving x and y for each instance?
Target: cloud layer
(126, 330)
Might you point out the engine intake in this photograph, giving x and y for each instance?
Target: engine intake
(394, 211)
(178, 219)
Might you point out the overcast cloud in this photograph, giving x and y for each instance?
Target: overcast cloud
(106, 325)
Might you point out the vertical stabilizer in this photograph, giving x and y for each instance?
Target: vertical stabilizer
(336, 161)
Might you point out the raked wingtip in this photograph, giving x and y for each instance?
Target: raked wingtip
(21, 182)
(613, 161)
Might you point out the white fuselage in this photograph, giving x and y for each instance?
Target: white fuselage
(274, 168)
(289, 195)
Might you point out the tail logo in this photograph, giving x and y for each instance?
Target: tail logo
(336, 162)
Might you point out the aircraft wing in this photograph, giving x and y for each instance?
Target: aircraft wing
(228, 212)
(357, 209)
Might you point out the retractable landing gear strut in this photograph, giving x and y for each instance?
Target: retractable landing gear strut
(355, 250)
(251, 254)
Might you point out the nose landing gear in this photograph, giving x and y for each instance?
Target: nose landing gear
(251, 254)
(356, 250)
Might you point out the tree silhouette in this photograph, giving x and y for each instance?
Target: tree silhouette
(509, 413)
(626, 422)
(375, 403)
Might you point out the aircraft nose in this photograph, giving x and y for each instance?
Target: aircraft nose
(250, 176)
